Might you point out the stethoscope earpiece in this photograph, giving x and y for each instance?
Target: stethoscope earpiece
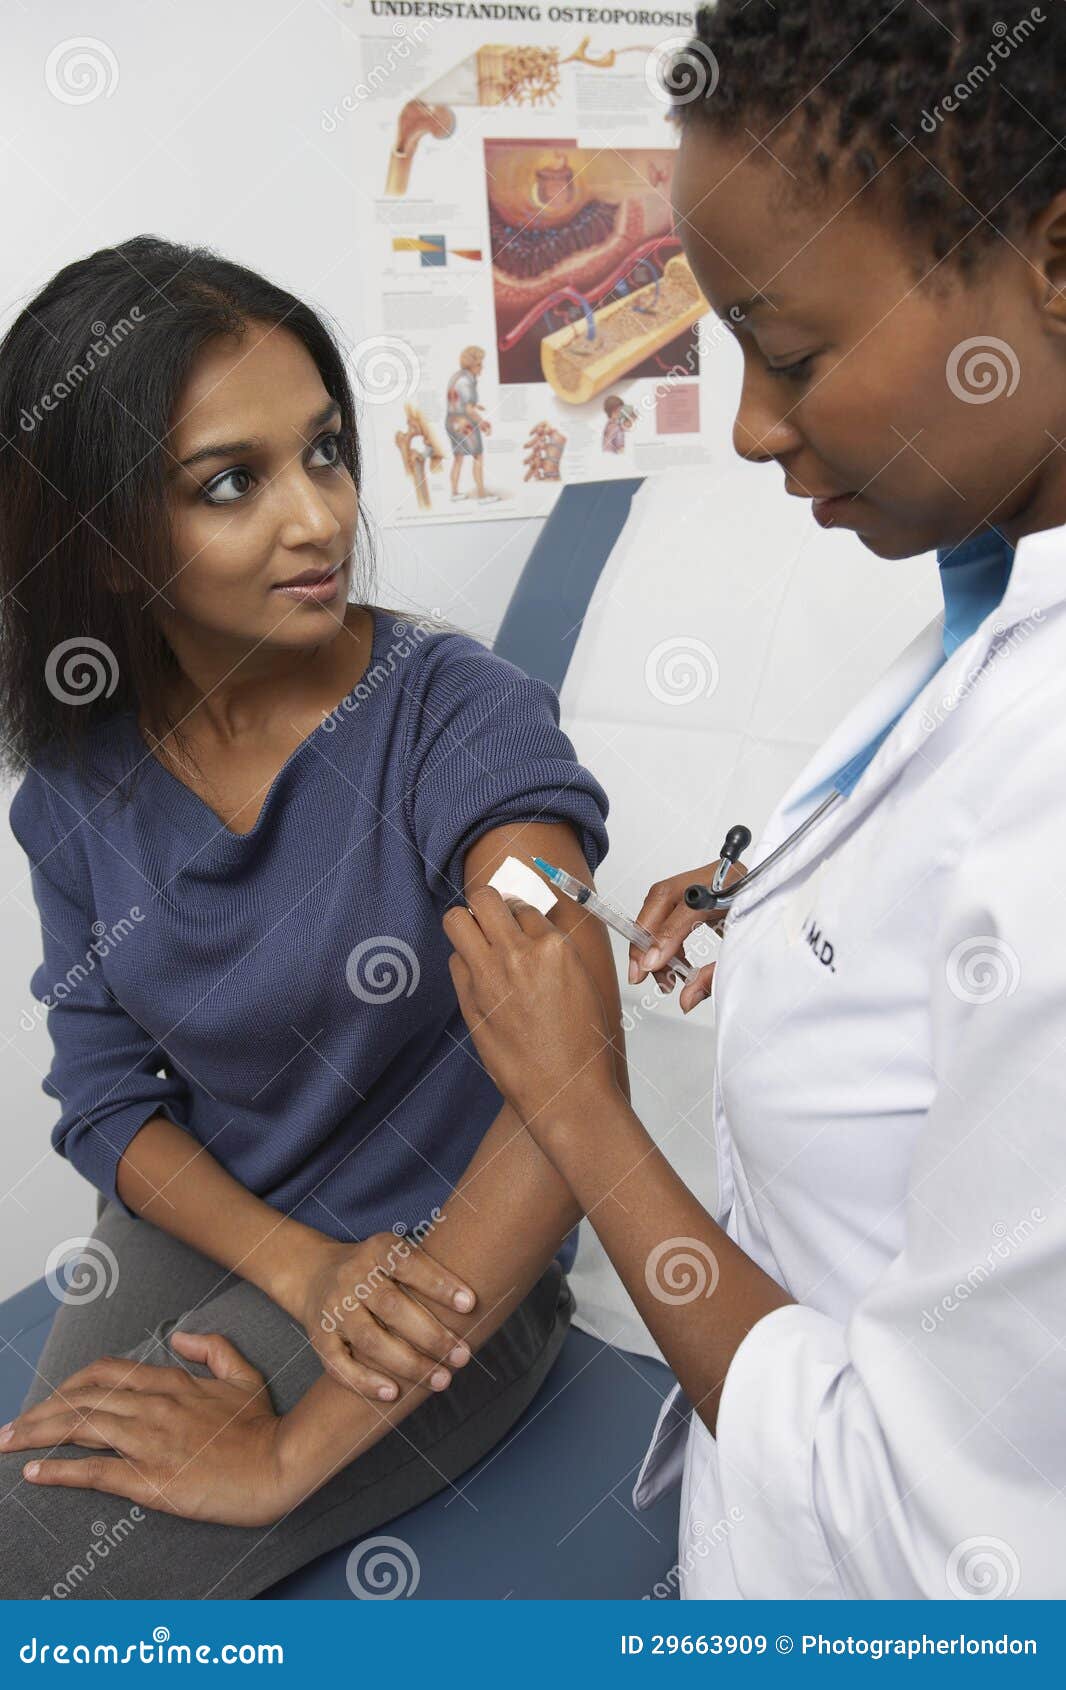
(737, 840)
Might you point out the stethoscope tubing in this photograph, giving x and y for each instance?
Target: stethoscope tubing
(715, 896)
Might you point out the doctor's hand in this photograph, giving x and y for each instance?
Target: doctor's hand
(533, 1009)
(363, 1311)
(665, 913)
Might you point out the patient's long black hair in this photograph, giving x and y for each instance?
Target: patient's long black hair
(90, 373)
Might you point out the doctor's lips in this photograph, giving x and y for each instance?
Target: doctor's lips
(826, 511)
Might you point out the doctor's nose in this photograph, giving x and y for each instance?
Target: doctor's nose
(761, 434)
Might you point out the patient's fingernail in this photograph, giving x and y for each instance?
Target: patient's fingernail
(5, 1432)
(463, 1300)
(651, 957)
(387, 1392)
(439, 1379)
(32, 1469)
(634, 973)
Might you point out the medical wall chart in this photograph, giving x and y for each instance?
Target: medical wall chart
(529, 317)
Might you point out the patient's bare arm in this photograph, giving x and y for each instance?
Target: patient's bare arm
(505, 1220)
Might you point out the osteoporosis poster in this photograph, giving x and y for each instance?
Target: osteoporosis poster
(529, 318)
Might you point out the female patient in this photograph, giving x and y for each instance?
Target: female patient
(246, 805)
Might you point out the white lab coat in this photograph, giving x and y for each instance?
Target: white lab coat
(889, 1106)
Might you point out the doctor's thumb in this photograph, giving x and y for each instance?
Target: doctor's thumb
(696, 990)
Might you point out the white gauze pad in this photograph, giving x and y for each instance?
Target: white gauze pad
(514, 880)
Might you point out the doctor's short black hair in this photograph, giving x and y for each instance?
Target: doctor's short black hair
(941, 104)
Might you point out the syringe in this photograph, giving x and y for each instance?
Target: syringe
(609, 914)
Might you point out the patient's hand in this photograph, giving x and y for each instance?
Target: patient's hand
(665, 913)
(369, 1332)
(202, 1448)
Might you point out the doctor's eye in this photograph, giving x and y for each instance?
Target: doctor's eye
(799, 371)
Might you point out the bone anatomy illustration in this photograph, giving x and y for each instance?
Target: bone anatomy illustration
(493, 76)
(602, 346)
(567, 216)
(421, 451)
(585, 284)
(544, 450)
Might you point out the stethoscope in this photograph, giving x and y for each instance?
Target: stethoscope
(737, 840)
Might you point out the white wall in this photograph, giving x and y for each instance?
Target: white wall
(212, 135)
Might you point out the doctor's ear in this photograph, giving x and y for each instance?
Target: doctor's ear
(1047, 252)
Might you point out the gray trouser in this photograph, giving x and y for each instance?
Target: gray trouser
(51, 1538)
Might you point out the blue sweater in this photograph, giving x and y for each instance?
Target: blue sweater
(292, 983)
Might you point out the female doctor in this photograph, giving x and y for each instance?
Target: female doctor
(869, 1335)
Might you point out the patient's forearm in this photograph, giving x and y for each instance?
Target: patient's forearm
(508, 1214)
(505, 1220)
(167, 1177)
